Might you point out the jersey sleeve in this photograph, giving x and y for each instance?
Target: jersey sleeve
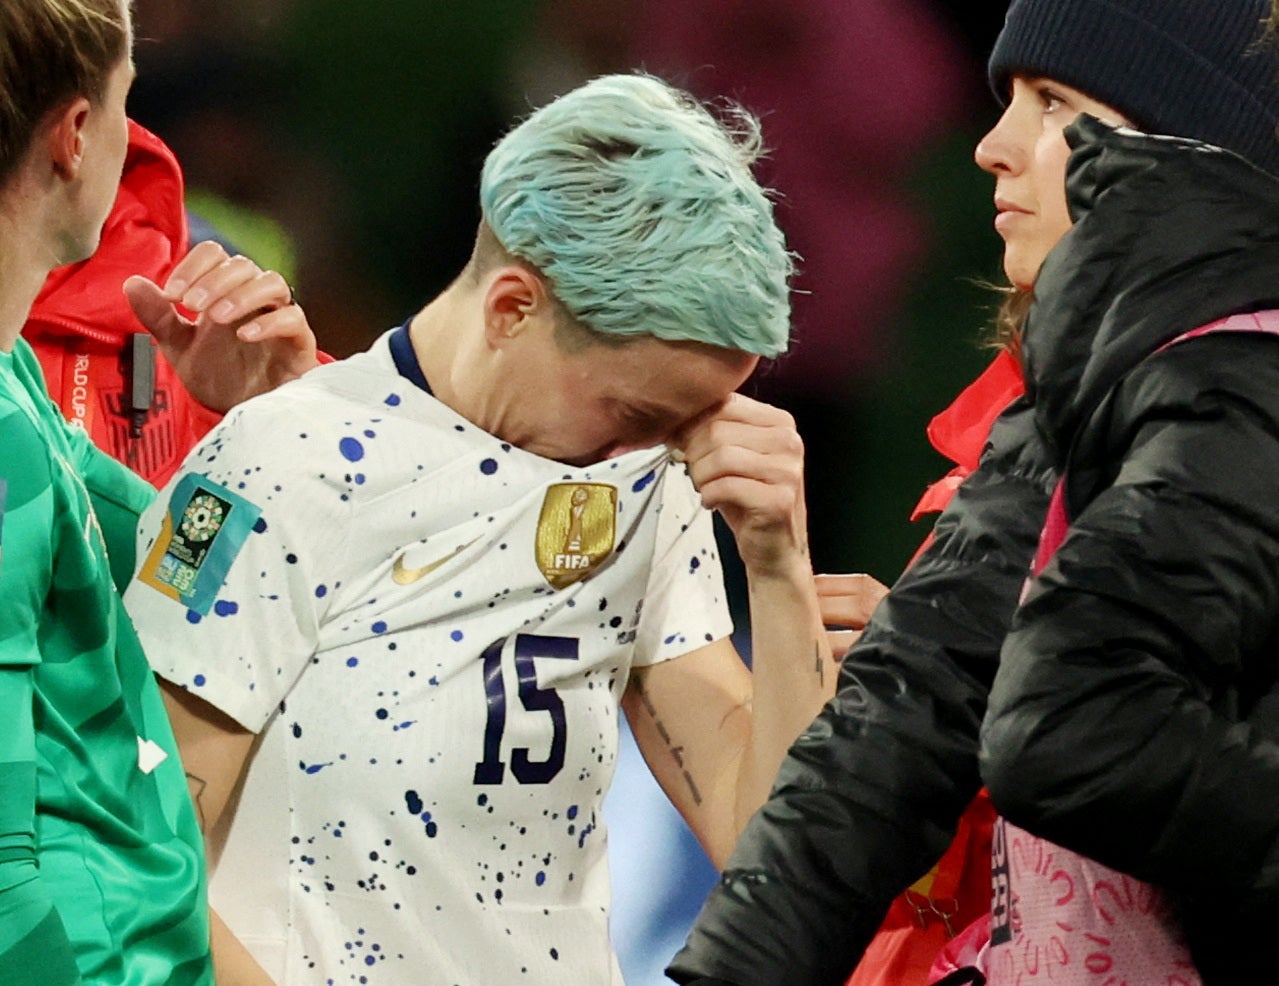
(229, 598)
(119, 497)
(105, 476)
(685, 605)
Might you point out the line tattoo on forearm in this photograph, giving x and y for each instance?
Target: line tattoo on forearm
(677, 752)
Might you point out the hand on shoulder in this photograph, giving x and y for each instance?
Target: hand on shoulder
(247, 335)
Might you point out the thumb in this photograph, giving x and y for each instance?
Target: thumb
(153, 310)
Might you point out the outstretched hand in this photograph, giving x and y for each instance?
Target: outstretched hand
(247, 335)
(846, 603)
(747, 461)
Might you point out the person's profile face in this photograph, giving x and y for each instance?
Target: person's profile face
(106, 142)
(1026, 151)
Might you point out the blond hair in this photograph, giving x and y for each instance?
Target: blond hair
(52, 51)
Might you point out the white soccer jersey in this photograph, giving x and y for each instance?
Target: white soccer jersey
(431, 630)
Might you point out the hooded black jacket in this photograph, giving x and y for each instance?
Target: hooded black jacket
(1129, 717)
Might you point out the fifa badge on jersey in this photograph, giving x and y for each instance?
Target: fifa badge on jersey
(575, 531)
(203, 530)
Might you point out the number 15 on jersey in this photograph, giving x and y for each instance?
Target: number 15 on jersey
(527, 650)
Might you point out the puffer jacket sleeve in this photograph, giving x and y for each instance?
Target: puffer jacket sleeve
(869, 796)
(1125, 720)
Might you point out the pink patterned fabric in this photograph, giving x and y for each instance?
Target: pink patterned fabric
(1061, 918)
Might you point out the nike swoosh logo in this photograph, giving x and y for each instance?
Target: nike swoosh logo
(407, 576)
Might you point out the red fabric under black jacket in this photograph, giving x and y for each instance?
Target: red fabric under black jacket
(956, 892)
(102, 367)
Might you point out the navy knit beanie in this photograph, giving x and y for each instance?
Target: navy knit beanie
(1188, 68)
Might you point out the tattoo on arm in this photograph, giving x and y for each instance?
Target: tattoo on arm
(692, 787)
(818, 664)
(677, 752)
(196, 786)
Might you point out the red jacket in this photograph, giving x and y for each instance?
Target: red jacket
(97, 358)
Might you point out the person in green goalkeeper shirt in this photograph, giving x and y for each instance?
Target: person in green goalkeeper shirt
(101, 863)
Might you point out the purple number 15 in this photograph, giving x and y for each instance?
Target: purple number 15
(528, 648)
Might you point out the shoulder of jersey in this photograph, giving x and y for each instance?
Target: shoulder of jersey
(323, 390)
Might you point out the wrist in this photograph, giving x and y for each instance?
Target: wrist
(790, 566)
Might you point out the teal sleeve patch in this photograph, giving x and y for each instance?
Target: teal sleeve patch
(203, 530)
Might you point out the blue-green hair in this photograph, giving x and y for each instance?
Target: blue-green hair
(640, 209)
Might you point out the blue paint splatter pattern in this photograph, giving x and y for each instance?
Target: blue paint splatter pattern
(439, 723)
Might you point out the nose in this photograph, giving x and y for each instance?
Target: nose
(997, 152)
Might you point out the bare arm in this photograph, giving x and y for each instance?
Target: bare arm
(691, 720)
(232, 963)
(713, 733)
(215, 752)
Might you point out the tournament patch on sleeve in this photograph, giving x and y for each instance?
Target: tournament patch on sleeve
(203, 529)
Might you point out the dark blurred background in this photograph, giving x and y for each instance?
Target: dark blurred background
(341, 142)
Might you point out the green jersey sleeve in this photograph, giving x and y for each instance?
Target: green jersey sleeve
(118, 495)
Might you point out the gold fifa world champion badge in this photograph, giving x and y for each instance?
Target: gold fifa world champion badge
(575, 531)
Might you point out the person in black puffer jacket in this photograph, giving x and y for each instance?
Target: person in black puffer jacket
(1126, 715)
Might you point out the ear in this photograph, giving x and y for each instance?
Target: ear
(514, 298)
(65, 137)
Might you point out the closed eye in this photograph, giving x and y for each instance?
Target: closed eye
(643, 424)
(632, 416)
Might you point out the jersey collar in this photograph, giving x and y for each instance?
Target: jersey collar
(406, 360)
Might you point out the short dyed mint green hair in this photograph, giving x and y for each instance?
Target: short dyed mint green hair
(640, 208)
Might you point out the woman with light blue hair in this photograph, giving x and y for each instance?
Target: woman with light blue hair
(493, 536)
